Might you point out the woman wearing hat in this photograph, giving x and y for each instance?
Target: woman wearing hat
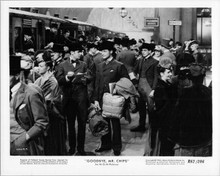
(157, 53)
(165, 97)
(193, 49)
(55, 139)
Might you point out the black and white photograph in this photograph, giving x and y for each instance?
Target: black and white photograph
(109, 88)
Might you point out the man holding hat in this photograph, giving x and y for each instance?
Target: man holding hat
(28, 114)
(147, 69)
(109, 71)
(72, 77)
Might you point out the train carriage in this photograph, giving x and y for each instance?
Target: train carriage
(39, 25)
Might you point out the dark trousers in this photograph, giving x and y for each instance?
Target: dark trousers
(77, 108)
(144, 91)
(113, 138)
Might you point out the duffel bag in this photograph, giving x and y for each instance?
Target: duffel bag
(97, 124)
(112, 105)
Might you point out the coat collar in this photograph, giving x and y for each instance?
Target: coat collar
(19, 96)
(107, 66)
(150, 61)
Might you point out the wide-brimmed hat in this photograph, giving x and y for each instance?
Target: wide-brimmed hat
(165, 62)
(107, 45)
(197, 69)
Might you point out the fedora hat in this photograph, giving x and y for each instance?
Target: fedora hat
(107, 45)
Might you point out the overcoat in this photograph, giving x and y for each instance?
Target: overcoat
(150, 71)
(105, 74)
(30, 112)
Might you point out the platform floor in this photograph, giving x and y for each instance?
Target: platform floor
(133, 143)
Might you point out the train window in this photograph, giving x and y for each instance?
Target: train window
(17, 39)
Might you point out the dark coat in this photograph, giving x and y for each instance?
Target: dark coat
(55, 139)
(128, 58)
(72, 90)
(151, 71)
(192, 123)
(165, 97)
(31, 114)
(105, 74)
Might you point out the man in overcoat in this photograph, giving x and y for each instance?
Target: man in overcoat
(28, 114)
(72, 77)
(146, 68)
(109, 71)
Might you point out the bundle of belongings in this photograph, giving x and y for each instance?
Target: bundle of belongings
(127, 89)
(112, 105)
(97, 125)
(117, 106)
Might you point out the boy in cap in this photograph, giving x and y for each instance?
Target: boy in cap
(147, 69)
(28, 114)
(72, 76)
(109, 71)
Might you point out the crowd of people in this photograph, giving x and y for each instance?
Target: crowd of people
(53, 87)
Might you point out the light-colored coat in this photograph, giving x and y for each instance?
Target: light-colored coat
(30, 112)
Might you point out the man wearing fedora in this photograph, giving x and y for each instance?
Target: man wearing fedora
(109, 71)
(28, 114)
(146, 68)
(72, 77)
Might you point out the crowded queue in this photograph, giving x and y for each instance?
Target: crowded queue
(163, 83)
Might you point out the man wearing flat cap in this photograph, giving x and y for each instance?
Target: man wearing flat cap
(109, 71)
(73, 78)
(146, 68)
(28, 42)
(28, 114)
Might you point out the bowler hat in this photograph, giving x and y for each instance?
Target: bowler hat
(75, 47)
(147, 46)
(107, 45)
(117, 40)
(27, 31)
(91, 45)
(15, 65)
(125, 42)
(57, 48)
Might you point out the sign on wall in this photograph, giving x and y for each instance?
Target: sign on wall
(174, 22)
(151, 22)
